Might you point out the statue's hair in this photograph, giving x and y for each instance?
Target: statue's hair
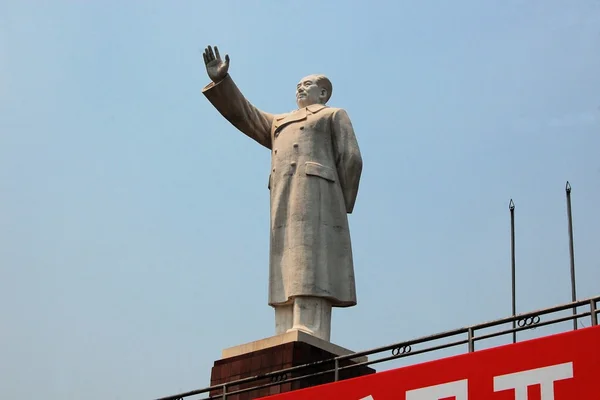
(323, 82)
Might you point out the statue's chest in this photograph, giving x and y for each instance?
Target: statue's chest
(304, 135)
(299, 142)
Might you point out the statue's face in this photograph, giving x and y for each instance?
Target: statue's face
(308, 93)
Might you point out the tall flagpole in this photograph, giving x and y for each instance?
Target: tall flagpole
(571, 252)
(511, 207)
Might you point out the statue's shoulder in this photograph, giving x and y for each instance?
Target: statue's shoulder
(336, 113)
(322, 109)
(334, 110)
(282, 115)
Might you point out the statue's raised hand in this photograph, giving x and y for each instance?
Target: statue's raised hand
(215, 67)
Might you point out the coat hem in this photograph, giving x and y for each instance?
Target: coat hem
(334, 302)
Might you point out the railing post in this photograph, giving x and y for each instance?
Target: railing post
(224, 397)
(336, 373)
(593, 312)
(471, 342)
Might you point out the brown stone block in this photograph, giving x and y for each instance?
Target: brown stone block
(255, 364)
(276, 389)
(288, 353)
(215, 374)
(244, 396)
(278, 358)
(264, 392)
(273, 356)
(246, 367)
(273, 359)
(286, 387)
(264, 361)
(224, 373)
(236, 367)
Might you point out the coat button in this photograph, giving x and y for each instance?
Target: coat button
(275, 151)
(293, 163)
(301, 128)
(296, 145)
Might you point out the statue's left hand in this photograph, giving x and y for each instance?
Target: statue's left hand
(215, 67)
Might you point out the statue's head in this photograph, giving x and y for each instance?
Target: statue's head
(313, 89)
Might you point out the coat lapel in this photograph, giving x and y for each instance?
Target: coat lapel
(298, 115)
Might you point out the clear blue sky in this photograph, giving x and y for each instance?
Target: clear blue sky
(134, 218)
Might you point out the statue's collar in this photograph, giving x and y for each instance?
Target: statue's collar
(297, 115)
(313, 108)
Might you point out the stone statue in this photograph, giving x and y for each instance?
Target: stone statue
(315, 172)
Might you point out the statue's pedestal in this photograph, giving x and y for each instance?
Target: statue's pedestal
(277, 353)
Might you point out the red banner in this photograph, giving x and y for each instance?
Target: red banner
(558, 367)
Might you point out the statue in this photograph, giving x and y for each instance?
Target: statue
(313, 182)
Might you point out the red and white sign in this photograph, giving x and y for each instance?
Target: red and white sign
(558, 367)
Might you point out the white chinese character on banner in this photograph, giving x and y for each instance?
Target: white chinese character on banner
(545, 377)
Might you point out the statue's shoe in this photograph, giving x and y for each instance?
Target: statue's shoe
(302, 328)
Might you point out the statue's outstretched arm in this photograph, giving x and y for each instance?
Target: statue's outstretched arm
(225, 96)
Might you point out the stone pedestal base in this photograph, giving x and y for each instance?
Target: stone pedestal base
(276, 353)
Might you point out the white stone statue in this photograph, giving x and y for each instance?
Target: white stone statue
(315, 172)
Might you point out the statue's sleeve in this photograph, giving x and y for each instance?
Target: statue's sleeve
(347, 157)
(231, 103)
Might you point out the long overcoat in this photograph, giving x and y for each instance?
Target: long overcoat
(315, 172)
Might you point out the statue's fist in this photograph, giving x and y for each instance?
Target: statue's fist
(215, 67)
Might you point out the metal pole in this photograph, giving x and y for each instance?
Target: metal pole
(511, 207)
(471, 342)
(571, 252)
(337, 370)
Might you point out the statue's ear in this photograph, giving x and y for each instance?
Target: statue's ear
(323, 93)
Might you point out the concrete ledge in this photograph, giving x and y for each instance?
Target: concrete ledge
(294, 336)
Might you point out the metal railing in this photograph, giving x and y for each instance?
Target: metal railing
(463, 336)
